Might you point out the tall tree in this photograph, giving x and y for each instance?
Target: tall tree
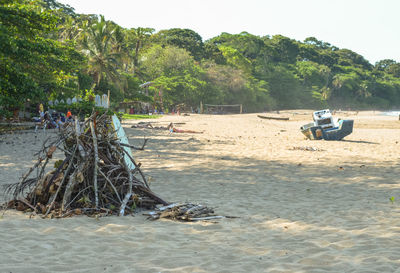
(136, 39)
(174, 72)
(182, 38)
(98, 45)
(32, 64)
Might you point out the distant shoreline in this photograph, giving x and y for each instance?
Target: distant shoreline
(391, 113)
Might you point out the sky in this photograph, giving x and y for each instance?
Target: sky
(370, 28)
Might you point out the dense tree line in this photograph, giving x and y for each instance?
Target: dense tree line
(47, 51)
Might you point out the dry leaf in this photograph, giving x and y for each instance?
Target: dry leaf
(80, 177)
(59, 178)
(52, 189)
(51, 151)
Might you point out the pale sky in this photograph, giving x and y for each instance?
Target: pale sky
(370, 28)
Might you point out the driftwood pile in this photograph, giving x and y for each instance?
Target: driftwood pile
(93, 179)
(183, 212)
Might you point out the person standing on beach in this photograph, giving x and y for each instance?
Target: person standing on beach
(41, 108)
(41, 111)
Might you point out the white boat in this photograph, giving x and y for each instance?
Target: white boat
(325, 126)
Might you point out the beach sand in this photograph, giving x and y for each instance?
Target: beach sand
(327, 210)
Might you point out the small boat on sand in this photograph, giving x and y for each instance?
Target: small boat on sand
(325, 126)
(277, 118)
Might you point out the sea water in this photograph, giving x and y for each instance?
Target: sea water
(391, 113)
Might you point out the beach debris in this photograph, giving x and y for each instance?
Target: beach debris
(145, 125)
(98, 175)
(276, 118)
(183, 212)
(306, 148)
(326, 127)
(171, 128)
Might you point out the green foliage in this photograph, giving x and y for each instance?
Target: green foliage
(167, 61)
(286, 88)
(97, 44)
(287, 49)
(33, 65)
(48, 51)
(234, 58)
(183, 38)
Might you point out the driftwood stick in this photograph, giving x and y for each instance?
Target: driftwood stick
(76, 196)
(57, 172)
(42, 168)
(78, 133)
(170, 206)
(26, 202)
(129, 194)
(49, 154)
(137, 168)
(206, 218)
(111, 184)
(70, 186)
(151, 194)
(64, 150)
(101, 211)
(123, 205)
(52, 200)
(25, 176)
(96, 164)
(194, 208)
(43, 147)
(133, 147)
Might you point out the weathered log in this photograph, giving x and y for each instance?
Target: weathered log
(96, 163)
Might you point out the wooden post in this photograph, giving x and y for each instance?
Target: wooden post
(201, 108)
(241, 108)
(108, 99)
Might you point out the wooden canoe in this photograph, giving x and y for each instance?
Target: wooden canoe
(276, 118)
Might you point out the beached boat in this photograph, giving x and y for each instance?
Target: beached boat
(276, 118)
(325, 126)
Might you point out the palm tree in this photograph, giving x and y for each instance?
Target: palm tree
(98, 44)
(69, 29)
(136, 39)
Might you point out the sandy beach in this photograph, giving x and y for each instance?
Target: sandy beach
(325, 209)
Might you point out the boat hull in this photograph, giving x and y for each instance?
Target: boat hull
(316, 132)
